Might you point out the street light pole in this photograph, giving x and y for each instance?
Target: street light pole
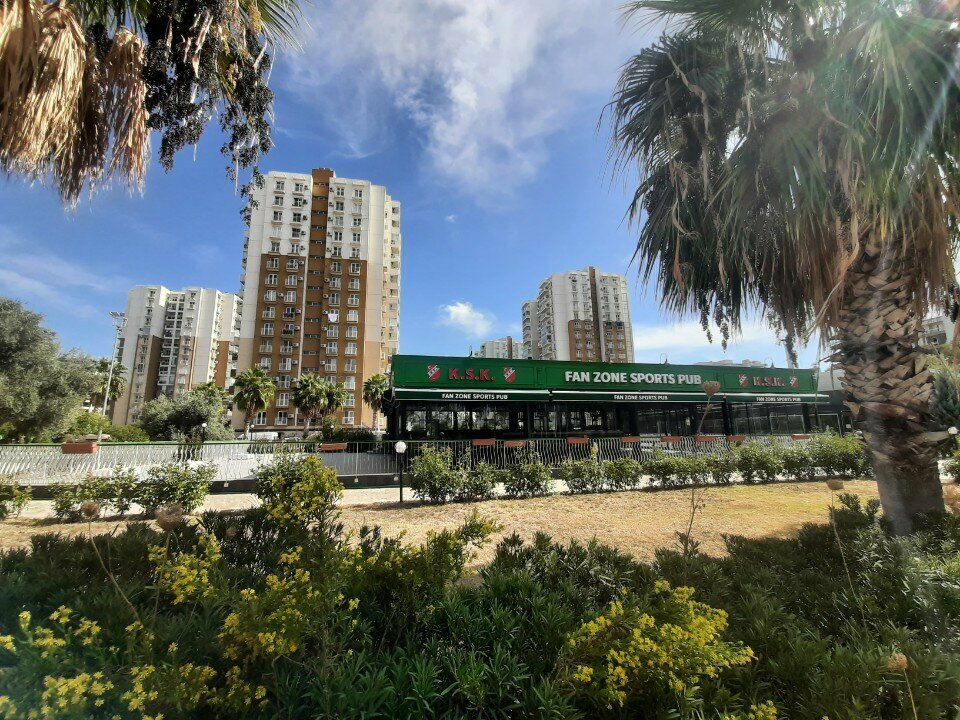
(401, 448)
(119, 322)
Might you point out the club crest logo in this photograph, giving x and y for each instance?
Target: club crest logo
(509, 374)
(744, 380)
(433, 372)
(794, 381)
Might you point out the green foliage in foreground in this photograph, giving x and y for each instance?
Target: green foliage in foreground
(274, 612)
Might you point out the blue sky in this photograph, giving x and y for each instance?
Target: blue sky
(479, 116)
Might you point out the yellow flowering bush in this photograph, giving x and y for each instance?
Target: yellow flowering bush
(629, 655)
(187, 576)
(299, 492)
(763, 711)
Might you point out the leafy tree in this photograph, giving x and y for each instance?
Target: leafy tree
(310, 396)
(374, 389)
(87, 423)
(81, 109)
(166, 419)
(217, 395)
(127, 433)
(800, 157)
(253, 390)
(41, 388)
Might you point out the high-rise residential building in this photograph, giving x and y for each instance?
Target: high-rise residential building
(321, 288)
(579, 315)
(505, 348)
(937, 330)
(173, 341)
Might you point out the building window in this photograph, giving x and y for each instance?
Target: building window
(330, 365)
(353, 316)
(267, 329)
(350, 383)
(357, 222)
(289, 328)
(355, 252)
(350, 402)
(354, 284)
(335, 298)
(273, 263)
(269, 313)
(283, 399)
(281, 417)
(356, 237)
(270, 296)
(278, 200)
(274, 246)
(265, 363)
(351, 331)
(350, 366)
(283, 381)
(348, 418)
(290, 296)
(335, 267)
(338, 236)
(260, 418)
(291, 281)
(351, 348)
(299, 202)
(353, 300)
(335, 251)
(358, 193)
(334, 331)
(335, 283)
(271, 279)
(354, 268)
(333, 347)
(339, 192)
(278, 215)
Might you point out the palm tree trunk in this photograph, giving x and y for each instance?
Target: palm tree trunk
(888, 385)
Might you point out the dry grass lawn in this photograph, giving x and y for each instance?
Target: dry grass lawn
(635, 522)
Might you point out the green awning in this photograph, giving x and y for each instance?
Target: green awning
(472, 395)
(626, 396)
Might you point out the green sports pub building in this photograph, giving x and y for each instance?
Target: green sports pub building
(451, 398)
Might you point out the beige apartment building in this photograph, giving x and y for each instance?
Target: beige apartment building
(505, 348)
(174, 340)
(579, 315)
(321, 289)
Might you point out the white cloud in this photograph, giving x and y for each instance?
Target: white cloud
(31, 273)
(484, 81)
(451, 219)
(466, 318)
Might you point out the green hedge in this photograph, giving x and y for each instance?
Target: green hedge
(167, 484)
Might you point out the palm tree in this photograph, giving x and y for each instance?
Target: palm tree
(83, 83)
(310, 396)
(117, 379)
(800, 158)
(336, 398)
(374, 389)
(253, 390)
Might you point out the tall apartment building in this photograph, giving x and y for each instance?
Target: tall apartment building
(174, 341)
(320, 288)
(579, 315)
(505, 348)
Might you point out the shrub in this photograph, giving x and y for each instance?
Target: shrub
(664, 470)
(123, 489)
(582, 476)
(797, 462)
(641, 657)
(13, 498)
(432, 475)
(953, 467)
(839, 455)
(692, 469)
(623, 473)
(176, 483)
(721, 465)
(529, 477)
(126, 434)
(758, 462)
(299, 492)
(477, 484)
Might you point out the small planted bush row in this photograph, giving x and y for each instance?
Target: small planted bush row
(13, 498)
(437, 477)
(180, 484)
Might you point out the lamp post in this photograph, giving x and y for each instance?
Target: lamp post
(401, 448)
(119, 321)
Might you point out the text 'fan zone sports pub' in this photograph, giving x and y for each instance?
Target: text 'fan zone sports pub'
(451, 398)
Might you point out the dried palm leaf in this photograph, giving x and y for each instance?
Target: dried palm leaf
(126, 111)
(82, 159)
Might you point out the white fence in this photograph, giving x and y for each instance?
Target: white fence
(373, 461)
